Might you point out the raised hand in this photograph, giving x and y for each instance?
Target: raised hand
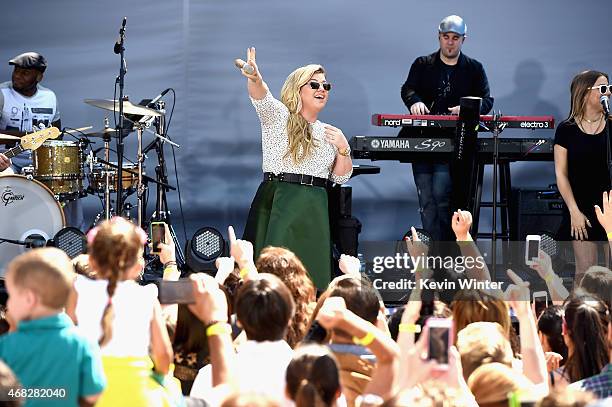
(334, 136)
(240, 250)
(331, 312)
(210, 302)
(461, 223)
(255, 76)
(604, 217)
(517, 294)
(415, 247)
(167, 251)
(225, 266)
(543, 265)
(349, 265)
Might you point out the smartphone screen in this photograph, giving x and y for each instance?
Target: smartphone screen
(175, 292)
(532, 249)
(158, 235)
(438, 344)
(539, 305)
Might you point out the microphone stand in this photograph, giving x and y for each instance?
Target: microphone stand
(120, 144)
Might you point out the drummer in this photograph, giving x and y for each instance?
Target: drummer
(24, 105)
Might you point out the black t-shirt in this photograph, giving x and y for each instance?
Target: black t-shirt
(442, 102)
(586, 164)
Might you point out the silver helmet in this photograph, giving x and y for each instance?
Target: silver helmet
(453, 24)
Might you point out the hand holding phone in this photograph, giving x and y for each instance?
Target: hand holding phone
(440, 339)
(540, 302)
(158, 235)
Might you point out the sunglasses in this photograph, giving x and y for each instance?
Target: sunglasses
(603, 89)
(316, 85)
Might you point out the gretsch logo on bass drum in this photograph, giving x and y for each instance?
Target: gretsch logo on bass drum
(9, 197)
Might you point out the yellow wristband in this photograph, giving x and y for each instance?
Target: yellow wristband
(411, 328)
(609, 234)
(218, 328)
(243, 272)
(549, 278)
(365, 341)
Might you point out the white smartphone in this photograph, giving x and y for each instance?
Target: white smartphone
(540, 302)
(532, 249)
(440, 340)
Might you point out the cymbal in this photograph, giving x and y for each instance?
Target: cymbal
(128, 107)
(8, 137)
(77, 130)
(110, 131)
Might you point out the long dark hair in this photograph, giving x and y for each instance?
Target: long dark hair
(312, 377)
(579, 88)
(550, 324)
(586, 321)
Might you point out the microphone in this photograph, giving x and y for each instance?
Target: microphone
(119, 43)
(240, 64)
(605, 103)
(156, 98)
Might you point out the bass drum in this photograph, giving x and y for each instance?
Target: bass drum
(26, 207)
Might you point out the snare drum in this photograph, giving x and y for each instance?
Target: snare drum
(59, 165)
(129, 177)
(26, 207)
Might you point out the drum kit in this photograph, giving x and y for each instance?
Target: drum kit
(33, 200)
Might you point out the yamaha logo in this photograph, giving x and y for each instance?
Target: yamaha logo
(375, 143)
(9, 197)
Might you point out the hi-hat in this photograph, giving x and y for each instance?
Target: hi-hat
(128, 107)
(8, 137)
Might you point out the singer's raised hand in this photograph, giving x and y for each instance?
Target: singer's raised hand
(256, 86)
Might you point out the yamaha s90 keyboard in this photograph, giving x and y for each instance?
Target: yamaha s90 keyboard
(441, 149)
(441, 121)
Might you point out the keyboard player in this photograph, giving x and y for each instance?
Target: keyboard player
(434, 85)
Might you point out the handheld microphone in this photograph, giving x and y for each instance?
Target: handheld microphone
(240, 64)
(605, 103)
(156, 98)
(119, 43)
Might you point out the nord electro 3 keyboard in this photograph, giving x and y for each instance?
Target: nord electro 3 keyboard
(441, 149)
(440, 121)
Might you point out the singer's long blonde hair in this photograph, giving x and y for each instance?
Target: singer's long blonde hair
(579, 89)
(300, 136)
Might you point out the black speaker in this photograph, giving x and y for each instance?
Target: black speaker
(346, 196)
(535, 210)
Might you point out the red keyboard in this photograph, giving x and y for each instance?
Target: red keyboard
(486, 122)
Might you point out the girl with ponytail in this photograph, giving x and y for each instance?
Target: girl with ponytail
(585, 327)
(312, 377)
(301, 156)
(124, 317)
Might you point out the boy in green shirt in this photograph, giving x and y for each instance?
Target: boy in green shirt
(54, 362)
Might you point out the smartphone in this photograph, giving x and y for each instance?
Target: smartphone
(532, 249)
(440, 340)
(158, 235)
(540, 302)
(175, 292)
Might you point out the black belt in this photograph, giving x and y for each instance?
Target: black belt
(301, 179)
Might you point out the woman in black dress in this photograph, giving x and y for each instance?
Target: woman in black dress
(581, 167)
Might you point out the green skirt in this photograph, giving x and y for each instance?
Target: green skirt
(295, 217)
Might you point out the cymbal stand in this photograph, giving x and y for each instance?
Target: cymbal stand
(107, 194)
(140, 188)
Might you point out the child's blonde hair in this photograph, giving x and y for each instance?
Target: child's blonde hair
(114, 248)
(48, 272)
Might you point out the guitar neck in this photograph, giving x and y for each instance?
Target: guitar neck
(12, 152)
